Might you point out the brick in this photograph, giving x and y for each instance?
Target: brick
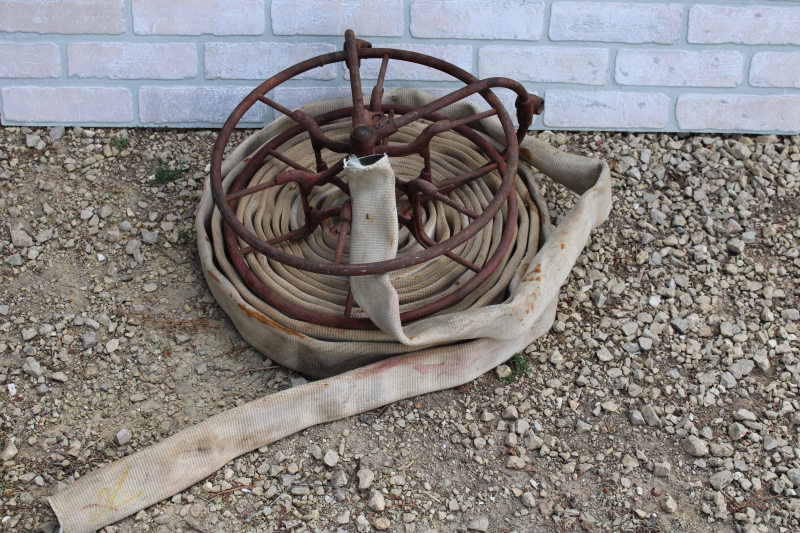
(672, 68)
(570, 109)
(128, 61)
(775, 69)
(181, 17)
(477, 19)
(258, 61)
(29, 61)
(744, 25)
(460, 56)
(72, 105)
(367, 18)
(608, 22)
(541, 64)
(740, 112)
(63, 16)
(161, 105)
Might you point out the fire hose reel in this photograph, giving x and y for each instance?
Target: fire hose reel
(372, 130)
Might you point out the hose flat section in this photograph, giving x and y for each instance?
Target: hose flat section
(362, 369)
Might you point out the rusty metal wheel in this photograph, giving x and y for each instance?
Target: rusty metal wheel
(371, 128)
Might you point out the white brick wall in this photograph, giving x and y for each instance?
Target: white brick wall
(173, 61)
(166, 105)
(676, 68)
(197, 17)
(477, 19)
(587, 66)
(621, 23)
(74, 105)
(775, 69)
(739, 112)
(368, 18)
(259, 61)
(63, 16)
(29, 61)
(606, 110)
(703, 65)
(744, 25)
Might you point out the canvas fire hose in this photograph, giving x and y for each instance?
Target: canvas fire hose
(388, 245)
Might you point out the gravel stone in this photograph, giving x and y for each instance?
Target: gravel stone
(736, 431)
(720, 480)
(10, 451)
(89, 339)
(503, 371)
(528, 499)
(365, 478)
(744, 414)
(736, 246)
(669, 505)
(480, 523)
(56, 133)
(650, 416)
(662, 469)
(794, 476)
(32, 367)
(515, 463)
(331, 458)
(149, 237)
(635, 417)
(20, 239)
(376, 501)
(604, 355)
(123, 436)
(695, 447)
(315, 451)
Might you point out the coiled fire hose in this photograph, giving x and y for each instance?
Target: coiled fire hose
(362, 369)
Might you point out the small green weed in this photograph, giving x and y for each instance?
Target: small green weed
(164, 174)
(184, 238)
(519, 367)
(121, 142)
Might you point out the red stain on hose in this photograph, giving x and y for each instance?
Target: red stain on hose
(266, 321)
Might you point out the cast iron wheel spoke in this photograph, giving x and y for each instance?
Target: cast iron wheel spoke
(377, 91)
(463, 262)
(283, 159)
(321, 165)
(344, 227)
(348, 306)
(455, 205)
(308, 122)
(448, 185)
(251, 190)
(426, 242)
(294, 234)
(353, 65)
(345, 217)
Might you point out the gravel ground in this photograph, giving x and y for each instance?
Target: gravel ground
(664, 399)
